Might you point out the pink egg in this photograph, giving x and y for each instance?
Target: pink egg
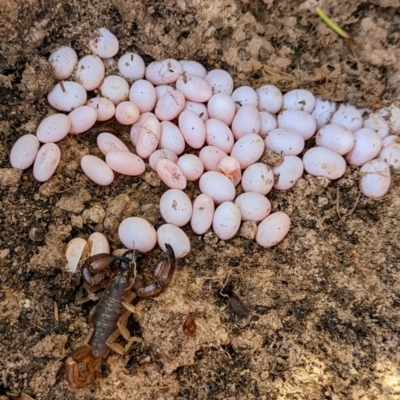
(162, 154)
(162, 89)
(199, 108)
(218, 134)
(211, 157)
(82, 119)
(131, 66)
(105, 44)
(248, 149)
(115, 89)
(97, 170)
(367, 146)
(46, 162)
(138, 125)
(288, 172)
(221, 107)
(270, 99)
(226, 221)
(323, 111)
(193, 68)
(284, 141)
(170, 105)
(319, 161)
(105, 108)
(90, 72)
(127, 113)
(247, 120)
(171, 137)
(137, 233)
(109, 62)
(377, 124)
(143, 94)
(203, 214)
(162, 72)
(298, 121)
(299, 99)
(218, 186)
(268, 123)
(273, 229)
(108, 142)
(125, 163)
(24, 152)
(175, 207)
(63, 61)
(67, 95)
(375, 179)
(53, 128)
(253, 206)
(193, 129)
(348, 117)
(191, 166)
(258, 178)
(171, 174)
(336, 138)
(245, 95)
(175, 237)
(148, 137)
(230, 167)
(194, 88)
(220, 81)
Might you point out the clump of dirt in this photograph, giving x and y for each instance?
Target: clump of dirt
(315, 317)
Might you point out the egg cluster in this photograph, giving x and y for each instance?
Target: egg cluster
(192, 125)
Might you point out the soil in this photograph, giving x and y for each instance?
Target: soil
(315, 317)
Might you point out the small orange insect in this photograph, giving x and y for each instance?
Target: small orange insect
(189, 326)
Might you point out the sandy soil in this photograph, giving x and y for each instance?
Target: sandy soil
(316, 317)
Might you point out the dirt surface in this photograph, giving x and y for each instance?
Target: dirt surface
(316, 317)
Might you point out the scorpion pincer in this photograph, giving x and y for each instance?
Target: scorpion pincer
(112, 311)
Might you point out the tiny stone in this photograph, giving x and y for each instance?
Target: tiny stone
(4, 253)
(271, 158)
(77, 221)
(151, 178)
(248, 230)
(96, 214)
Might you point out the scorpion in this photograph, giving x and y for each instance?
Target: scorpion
(113, 310)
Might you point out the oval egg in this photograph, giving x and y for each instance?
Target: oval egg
(202, 214)
(226, 221)
(175, 207)
(137, 233)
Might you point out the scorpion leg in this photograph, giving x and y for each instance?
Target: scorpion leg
(163, 274)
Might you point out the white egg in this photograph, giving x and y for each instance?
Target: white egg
(253, 206)
(53, 128)
(194, 88)
(284, 141)
(273, 229)
(348, 117)
(319, 161)
(220, 81)
(105, 108)
(97, 170)
(127, 113)
(143, 94)
(115, 89)
(323, 111)
(226, 221)
(162, 89)
(131, 66)
(191, 166)
(375, 179)
(175, 237)
(162, 154)
(193, 68)
(211, 157)
(203, 214)
(165, 71)
(258, 178)
(63, 61)
(125, 163)
(138, 125)
(172, 138)
(175, 207)
(248, 149)
(66, 96)
(288, 172)
(82, 119)
(367, 146)
(268, 123)
(244, 95)
(219, 134)
(298, 121)
(192, 128)
(270, 99)
(24, 151)
(247, 120)
(98, 244)
(90, 72)
(137, 233)
(148, 137)
(391, 154)
(218, 186)
(76, 253)
(108, 142)
(336, 138)
(104, 44)
(199, 108)
(377, 124)
(170, 105)
(299, 99)
(221, 107)
(389, 140)
(46, 162)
